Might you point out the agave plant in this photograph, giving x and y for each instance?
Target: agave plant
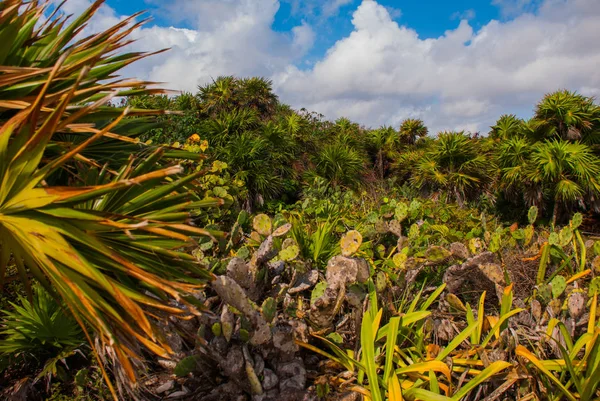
(109, 243)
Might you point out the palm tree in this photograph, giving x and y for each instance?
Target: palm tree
(567, 115)
(109, 235)
(382, 142)
(456, 165)
(339, 164)
(411, 130)
(508, 126)
(568, 172)
(258, 95)
(555, 172)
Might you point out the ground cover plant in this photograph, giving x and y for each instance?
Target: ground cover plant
(220, 245)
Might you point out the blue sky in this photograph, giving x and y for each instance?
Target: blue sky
(458, 65)
(430, 18)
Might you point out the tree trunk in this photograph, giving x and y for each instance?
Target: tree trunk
(555, 213)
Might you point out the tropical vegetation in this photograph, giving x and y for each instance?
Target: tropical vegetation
(221, 245)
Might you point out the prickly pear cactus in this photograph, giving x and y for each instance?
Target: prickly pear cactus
(399, 260)
(559, 284)
(594, 287)
(437, 254)
(532, 214)
(554, 239)
(529, 231)
(495, 243)
(350, 243)
(290, 252)
(186, 366)
(227, 322)
(401, 211)
(217, 329)
(269, 309)
(545, 291)
(576, 221)
(414, 231)
(381, 227)
(395, 227)
(565, 236)
(262, 224)
(475, 245)
(255, 238)
(318, 291)
(596, 264)
(414, 209)
(283, 230)
(381, 282)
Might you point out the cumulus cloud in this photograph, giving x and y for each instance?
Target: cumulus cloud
(382, 72)
(463, 79)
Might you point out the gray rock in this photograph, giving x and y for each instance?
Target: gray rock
(233, 364)
(270, 380)
(480, 272)
(167, 363)
(166, 386)
(292, 376)
(283, 339)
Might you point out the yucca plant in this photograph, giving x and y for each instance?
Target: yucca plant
(103, 245)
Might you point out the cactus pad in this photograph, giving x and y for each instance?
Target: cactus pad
(350, 243)
(532, 214)
(399, 260)
(401, 211)
(559, 284)
(576, 220)
(262, 224)
(395, 227)
(283, 230)
(437, 254)
(269, 309)
(594, 287)
(289, 253)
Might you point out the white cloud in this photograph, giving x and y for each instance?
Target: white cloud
(382, 72)
(332, 7)
(467, 14)
(463, 79)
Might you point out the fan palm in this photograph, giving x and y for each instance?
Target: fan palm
(570, 172)
(339, 164)
(508, 126)
(382, 143)
(104, 244)
(411, 130)
(568, 115)
(555, 171)
(454, 164)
